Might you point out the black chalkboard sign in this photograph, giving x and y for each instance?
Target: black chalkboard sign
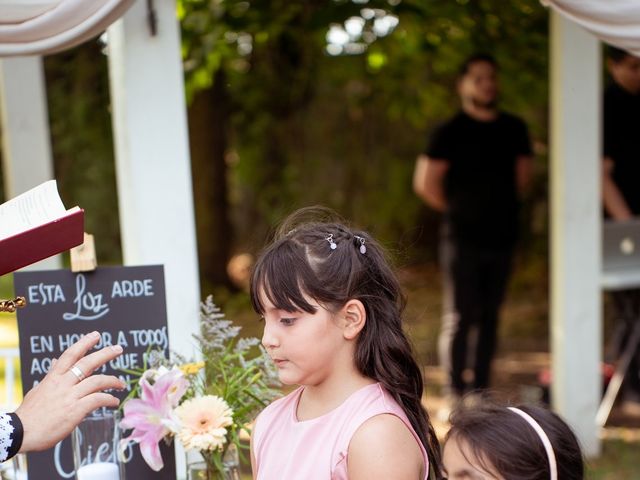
(126, 304)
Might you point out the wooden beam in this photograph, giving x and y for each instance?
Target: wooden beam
(152, 159)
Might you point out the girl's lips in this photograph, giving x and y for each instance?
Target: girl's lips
(279, 362)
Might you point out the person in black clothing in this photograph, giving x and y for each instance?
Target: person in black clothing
(474, 170)
(621, 187)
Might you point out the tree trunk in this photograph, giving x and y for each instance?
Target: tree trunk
(208, 119)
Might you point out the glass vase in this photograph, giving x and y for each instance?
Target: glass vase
(197, 468)
(95, 446)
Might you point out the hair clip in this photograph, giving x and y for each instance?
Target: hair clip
(363, 249)
(332, 244)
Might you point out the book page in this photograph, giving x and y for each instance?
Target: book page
(37, 206)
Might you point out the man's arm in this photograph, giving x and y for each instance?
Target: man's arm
(524, 173)
(428, 181)
(614, 202)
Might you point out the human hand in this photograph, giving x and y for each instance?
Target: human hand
(51, 410)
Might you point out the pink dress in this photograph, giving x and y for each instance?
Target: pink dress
(316, 449)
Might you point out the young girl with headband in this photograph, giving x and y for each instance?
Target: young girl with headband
(332, 311)
(491, 442)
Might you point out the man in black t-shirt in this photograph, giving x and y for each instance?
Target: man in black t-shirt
(621, 185)
(474, 170)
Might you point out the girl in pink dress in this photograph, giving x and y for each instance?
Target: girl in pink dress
(332, 311)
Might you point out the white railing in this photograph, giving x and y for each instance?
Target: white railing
(8, 356)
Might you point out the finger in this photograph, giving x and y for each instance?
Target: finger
(75, 352)
(97, 400)
(97, 383)
(95, 360)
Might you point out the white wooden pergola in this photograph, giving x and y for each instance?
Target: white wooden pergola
(156, 202)
(151, 145)
(576, 305)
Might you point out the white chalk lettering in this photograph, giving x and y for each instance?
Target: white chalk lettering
(65, 340)
(41, 344)
(106, 340)
(127, 381)
(44, 294)
(122, 339)
(57, 455)
(127, 361)
(132, 288)
(89, 306)
(40, 366)
(145, 338)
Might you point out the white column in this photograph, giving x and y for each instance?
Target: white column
(575, 228)
(152, 159)
(26, 144)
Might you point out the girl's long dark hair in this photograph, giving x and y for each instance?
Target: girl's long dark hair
(301, 262)
(499, 438)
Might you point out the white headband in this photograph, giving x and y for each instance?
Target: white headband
(553, 468)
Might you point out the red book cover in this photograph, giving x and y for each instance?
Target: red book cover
(42, 241)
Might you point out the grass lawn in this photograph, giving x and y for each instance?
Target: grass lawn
(620, 458)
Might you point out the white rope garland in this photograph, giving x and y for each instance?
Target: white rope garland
(55, 25)
(616, 22)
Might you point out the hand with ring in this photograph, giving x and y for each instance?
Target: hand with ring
(67, 394)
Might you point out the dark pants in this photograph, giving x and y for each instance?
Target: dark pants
(627, 314)
(475, 282)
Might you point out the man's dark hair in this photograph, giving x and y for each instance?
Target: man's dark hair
(476, 58)
(616, 54)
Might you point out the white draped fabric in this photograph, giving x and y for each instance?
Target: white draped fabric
(39, 27)
(29, 27)
(616, 22)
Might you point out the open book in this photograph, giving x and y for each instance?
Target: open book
(36, 225)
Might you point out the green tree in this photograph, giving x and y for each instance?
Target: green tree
(306, 127)
(82, 142)
(280, 119)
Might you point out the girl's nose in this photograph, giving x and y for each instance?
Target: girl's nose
(269, 340)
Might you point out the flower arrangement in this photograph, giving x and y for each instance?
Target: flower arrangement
(206, 405)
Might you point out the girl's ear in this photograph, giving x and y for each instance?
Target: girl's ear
(354, 318)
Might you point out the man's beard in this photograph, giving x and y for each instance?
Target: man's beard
(490, 105)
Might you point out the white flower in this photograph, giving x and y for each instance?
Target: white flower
(203, 422)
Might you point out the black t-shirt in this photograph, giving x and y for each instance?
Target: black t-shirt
(621, 141)
(480, 184)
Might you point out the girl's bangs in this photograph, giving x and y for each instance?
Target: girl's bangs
(282, 276)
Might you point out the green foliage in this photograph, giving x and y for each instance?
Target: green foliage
(82, 142)
(343, 131)
(306, 127)
(247, 380)
(236, 369)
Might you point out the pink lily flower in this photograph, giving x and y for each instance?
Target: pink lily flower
(151, 416)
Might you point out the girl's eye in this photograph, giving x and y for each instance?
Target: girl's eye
(287, 322)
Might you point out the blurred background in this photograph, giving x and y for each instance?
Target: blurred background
(295, 103)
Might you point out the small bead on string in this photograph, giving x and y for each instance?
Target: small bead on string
(332, 244)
